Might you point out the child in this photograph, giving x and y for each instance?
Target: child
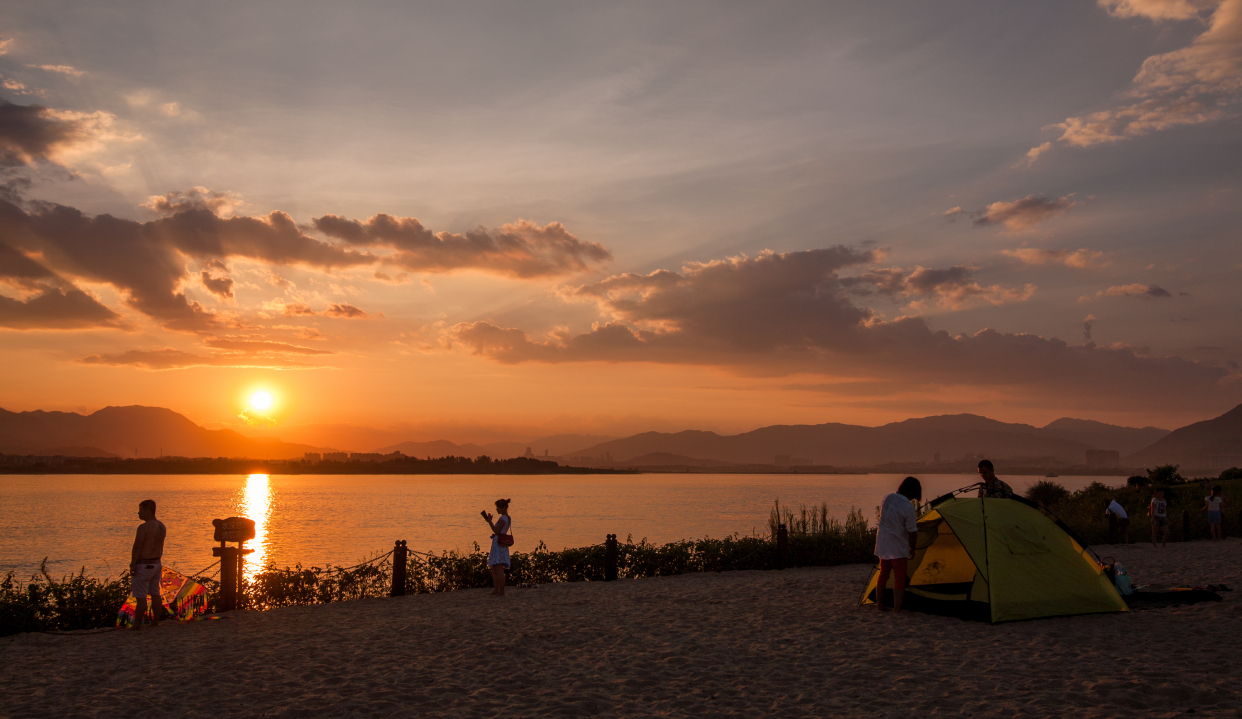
(498, 557)
(895, 538)
(1158, 510)
(1214, 505)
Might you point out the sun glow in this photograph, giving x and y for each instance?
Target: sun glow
(256, 503)
(261, 401)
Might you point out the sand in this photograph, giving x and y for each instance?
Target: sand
(789, 643)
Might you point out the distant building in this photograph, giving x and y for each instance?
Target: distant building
(1103, 458)
(545, 453)
(529, 453)
(366, 457)
(312, 457)
(782, 460)
(335, 456)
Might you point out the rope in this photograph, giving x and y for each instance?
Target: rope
(346, 569)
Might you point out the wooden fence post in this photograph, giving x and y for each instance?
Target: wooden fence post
(782, 546)
(610, 558)
(1187, 532)
(399, 552)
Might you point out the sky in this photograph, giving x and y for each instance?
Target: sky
(493, 221)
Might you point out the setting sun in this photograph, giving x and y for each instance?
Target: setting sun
(261, 400)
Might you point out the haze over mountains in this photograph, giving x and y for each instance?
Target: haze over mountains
(152, 431)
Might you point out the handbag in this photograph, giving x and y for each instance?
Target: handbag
(504, 540)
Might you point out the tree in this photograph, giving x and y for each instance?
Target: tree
(1231, 473)
(1047, 493)
(1165, 474)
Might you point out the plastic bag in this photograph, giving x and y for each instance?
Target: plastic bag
(1122, 580)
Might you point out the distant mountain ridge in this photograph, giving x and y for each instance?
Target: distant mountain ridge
(554, 445)
(130, 431)
(1212, 443)
(911, 440)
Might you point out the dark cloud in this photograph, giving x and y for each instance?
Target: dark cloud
(33, 132)
(954, 287)
(340, 311)
(790, 314)
(56, 308)
(16, 266)
(1023, 213)
(519, 249)
(169, 358)
(1147, 292)
(344, 311)
(219, 286)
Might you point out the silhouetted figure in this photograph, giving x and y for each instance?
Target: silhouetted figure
(1214, 505)
(992, 487)
(1115, 509)
(502, 539)
(1158, 510)
(145, 566)
(895, 538)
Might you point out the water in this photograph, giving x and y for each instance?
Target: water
(89, 520)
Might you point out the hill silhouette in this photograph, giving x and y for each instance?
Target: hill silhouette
(555, 445)
(911, 440)
(130, 431)
(1211, 444)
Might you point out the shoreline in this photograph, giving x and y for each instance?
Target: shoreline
(744, 643)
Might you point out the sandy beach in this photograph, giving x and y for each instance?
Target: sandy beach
(779, 643)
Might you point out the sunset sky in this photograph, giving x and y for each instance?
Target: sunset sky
(480, 221)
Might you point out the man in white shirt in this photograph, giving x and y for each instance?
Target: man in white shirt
(895, 538)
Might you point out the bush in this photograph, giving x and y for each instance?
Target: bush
(1138, 480)
(1231, 473)
(45, 604)
(1047, 493)
(1165, 474)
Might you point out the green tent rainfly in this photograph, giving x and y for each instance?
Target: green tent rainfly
(1000, 560)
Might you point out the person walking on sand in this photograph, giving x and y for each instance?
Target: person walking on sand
(992, 487)
(1214, 505)
(895, 538)
(502, 539)
(1158, 510)
(145, 566)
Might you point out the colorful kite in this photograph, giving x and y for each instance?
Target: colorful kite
(183, 598)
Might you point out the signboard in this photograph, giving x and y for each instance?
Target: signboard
(233, 529)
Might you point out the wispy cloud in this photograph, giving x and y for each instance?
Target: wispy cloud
(1018, 214)
(1196, 84)
(1078, 259)
(60, 69)
(170, 358)
(1150, 292)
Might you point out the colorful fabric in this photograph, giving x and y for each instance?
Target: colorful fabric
(183, 598)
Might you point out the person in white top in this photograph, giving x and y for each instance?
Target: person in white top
(1214, 505)
(895, 538)
(502, 539)
(1158, 510)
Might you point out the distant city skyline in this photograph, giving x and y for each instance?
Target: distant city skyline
(493, 221)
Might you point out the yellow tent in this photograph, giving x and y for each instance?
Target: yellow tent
(1000, 560)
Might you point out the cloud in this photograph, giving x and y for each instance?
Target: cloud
(257, 346)
(344, 311)
(60, 69)
(1078, 259)
(19, 269)
(1023, 213)
(220, 286)
(953, 288)
(789, 313)
(519, 249)
(1193, 85)
(195, 198)
(56, 308)
(1149, 292)
(29, 133)
(1087, 323)
(301, 309)
(255, 418)
(5, 46)
(169, 358)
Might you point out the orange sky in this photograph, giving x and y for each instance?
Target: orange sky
(597, 223)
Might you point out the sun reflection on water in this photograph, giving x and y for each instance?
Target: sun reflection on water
(256, 504)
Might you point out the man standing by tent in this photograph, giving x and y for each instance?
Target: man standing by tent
(992, 487)
(145, 566)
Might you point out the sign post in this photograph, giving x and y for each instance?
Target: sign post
(233, 529)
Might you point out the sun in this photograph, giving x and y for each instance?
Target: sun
(261, 401)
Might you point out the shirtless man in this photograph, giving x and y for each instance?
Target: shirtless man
(145, 568)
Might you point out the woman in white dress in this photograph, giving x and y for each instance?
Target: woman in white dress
(502, 539)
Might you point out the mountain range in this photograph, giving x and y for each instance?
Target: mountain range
(154, 431)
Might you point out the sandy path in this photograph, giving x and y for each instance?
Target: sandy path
(788, 643)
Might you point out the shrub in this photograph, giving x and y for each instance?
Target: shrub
(1047, 493)
(1138, 480)
(1165, 474)
(1231, 473)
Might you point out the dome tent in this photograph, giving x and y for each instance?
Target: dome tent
(1000, 560)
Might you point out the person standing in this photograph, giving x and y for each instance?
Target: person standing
(1158, 510)
(895, 539)
(992, 487)
(1123, 520)
(1214, 505)
(502, 539)
(145, 568)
